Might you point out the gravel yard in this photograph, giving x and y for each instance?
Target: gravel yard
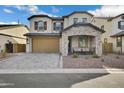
(31, 61)
(87, 61)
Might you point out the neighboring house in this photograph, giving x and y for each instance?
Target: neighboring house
(114, 34)
(75, 32)
(12, 34)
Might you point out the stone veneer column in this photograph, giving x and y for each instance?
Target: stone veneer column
(64, 45)
(98, 45)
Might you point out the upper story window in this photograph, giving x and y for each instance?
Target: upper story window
(58, 26)
(40, 25)
(84, 20)
(75, 20)
(121, 24)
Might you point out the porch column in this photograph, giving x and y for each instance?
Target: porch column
(98, 49)
(64, 45)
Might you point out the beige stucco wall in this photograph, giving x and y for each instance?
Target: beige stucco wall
(29, 45)
(107, 27)
(83, 30)
(69, 20)
(49, 25)
(17, 31)
(4, 40)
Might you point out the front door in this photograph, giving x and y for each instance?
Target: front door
(9, 47)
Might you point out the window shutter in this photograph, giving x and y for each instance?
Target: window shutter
(36, 25)
(54, 26)
(45, 25)
(119, 25)
(61, 25)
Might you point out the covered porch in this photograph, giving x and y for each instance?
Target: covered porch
(82, 38)
(81, 44)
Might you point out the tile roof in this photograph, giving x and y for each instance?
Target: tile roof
(118, 34)
(84, 24)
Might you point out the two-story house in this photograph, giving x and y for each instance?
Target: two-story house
(75, 32)
(114, 28)
(117, 33)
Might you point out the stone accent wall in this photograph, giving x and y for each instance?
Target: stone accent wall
(83, 30)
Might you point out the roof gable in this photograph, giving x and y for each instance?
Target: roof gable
(110, 19)
(84, 12)
(84, 24)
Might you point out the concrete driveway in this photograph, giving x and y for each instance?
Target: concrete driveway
(31, 61)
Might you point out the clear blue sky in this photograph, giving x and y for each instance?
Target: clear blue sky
(11, 14)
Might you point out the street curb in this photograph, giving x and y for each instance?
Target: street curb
(21, 71)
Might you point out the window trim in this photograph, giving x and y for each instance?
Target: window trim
(120, 26)
(74, 20)
(55, 26)
(83, 20)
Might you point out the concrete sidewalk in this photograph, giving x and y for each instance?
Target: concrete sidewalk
(12, 71)
(107, 81)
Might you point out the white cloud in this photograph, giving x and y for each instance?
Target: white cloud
(54, 9)
(8, 22)
(8, 11)
(108, 11)
(32, 9)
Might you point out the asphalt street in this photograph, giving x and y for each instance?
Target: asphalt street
(48, 80)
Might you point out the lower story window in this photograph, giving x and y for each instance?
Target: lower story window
(118, 41)
(83, 41)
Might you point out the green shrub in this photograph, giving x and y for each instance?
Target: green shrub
(95, 56)
(75, 55)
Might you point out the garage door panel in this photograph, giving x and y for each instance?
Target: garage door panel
(45, 44)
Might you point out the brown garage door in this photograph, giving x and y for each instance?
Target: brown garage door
(45, 44)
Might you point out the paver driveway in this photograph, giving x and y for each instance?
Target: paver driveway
(31, 61)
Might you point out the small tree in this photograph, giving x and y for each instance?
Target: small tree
(75, 55)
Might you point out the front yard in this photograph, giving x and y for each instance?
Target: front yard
(87, 61)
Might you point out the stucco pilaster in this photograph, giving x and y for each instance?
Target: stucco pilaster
(29, 45)
(98, 49)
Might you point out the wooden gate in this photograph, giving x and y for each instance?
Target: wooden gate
(19, 48)
(107, 48)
